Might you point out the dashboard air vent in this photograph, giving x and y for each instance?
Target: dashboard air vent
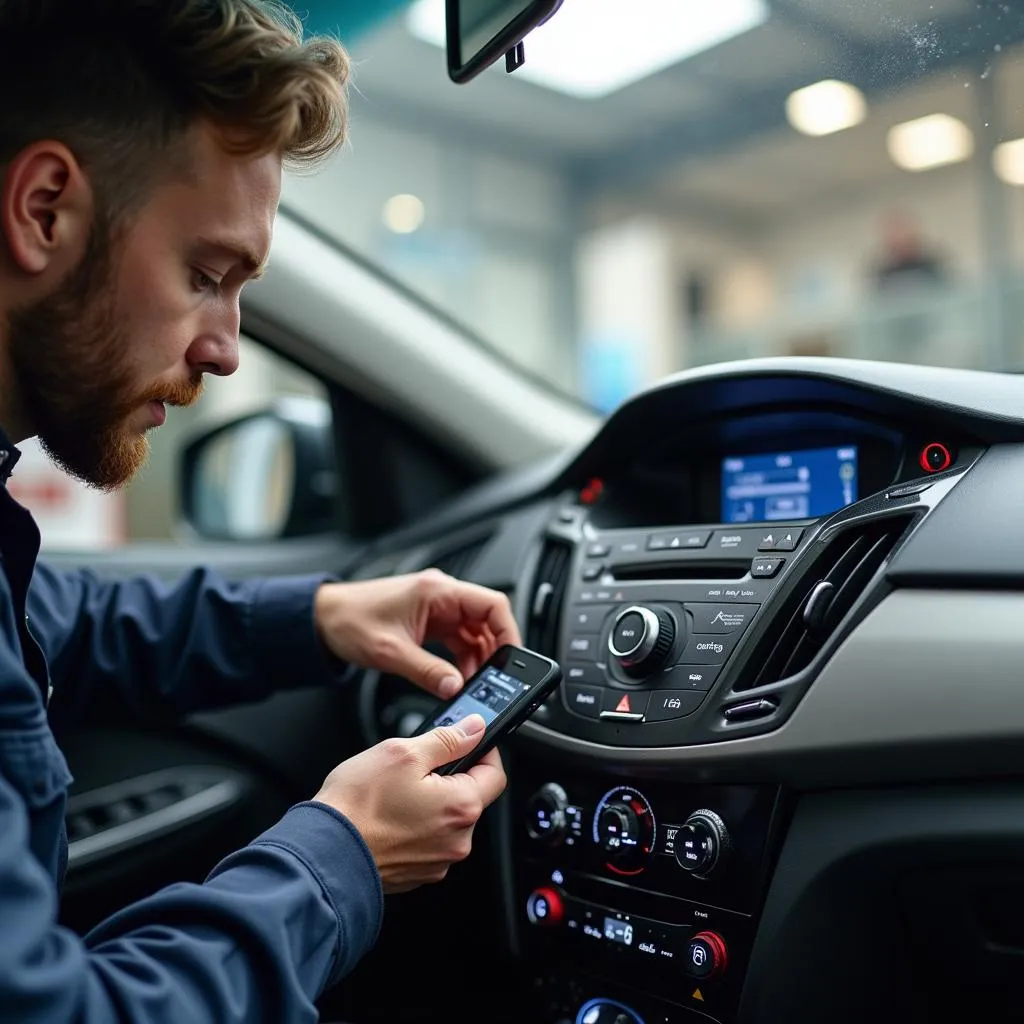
(548, 596)
(460, 561)
(827, 591)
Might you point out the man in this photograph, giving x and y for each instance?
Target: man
(141, 148)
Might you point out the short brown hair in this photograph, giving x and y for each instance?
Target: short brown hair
(120, 82)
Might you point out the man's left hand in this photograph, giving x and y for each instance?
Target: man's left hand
(383, 624)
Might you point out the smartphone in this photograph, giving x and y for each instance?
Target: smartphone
(509, 687)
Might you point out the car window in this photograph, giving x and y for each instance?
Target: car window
(696, 182)
(74, 517)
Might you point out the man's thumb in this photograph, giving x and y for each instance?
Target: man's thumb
(450, 742)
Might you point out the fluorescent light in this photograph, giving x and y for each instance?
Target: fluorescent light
(826, 107)
(1008, 160)
(932, 141)
(404, 214)
(591, 48)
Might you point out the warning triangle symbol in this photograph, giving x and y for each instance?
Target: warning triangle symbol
(697, 994)
(675, 542)
(623, 704)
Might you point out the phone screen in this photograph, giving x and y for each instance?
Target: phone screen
(489, 694)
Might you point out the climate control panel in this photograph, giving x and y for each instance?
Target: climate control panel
(652, 885)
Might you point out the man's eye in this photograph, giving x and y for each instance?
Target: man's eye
(203, 282)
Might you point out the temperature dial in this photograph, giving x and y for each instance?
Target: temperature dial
(625, 829)
(545, 814)
(641, 639)
(702, 843)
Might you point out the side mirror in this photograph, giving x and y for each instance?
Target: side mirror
(482, 31)
(264, 476)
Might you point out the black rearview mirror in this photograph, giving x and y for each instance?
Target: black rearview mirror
(482, 31)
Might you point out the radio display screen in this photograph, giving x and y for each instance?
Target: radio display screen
(788, 485)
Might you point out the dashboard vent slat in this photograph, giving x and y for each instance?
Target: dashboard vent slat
(825, 595)
(547, 598)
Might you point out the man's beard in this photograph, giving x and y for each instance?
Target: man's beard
(73, 381)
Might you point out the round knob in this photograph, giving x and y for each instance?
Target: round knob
(641, 639)
(545, 907)
(618, 828)
(545, 814)
(702, 843)
(707, 956)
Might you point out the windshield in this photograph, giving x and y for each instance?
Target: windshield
(693, 181)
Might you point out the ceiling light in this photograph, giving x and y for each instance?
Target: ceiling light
(404, 214)
(1008, 160)
(826, 107)
(590, 49)
(932, 141)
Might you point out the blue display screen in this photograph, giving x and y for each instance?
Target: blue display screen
(788, 485)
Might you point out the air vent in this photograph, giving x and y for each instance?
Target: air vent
(460, 561)
(548, 596)
(827, 592)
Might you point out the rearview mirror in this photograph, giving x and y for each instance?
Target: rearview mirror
(481, 31)
(264, 476)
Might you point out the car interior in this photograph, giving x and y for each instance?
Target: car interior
(783, 576)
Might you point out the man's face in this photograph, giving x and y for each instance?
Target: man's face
(145, 315)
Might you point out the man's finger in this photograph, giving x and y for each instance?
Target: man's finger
(426, 670)
(449, 742)
(489, 776)
(489, 607)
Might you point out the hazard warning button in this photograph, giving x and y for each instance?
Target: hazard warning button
(624, 705)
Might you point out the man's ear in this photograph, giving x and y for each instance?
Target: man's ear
(47, 209)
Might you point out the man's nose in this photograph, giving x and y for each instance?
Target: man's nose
(216, 354)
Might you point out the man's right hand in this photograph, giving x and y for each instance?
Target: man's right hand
(416, 824)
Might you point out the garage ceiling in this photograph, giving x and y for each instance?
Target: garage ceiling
(712, 130)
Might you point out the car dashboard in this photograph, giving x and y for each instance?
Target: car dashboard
(779, 780)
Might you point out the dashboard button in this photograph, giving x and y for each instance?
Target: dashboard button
(785, 539)
(598, 551)
(666, 705)
(586, 673)
(709, 649)
(766, 568)
(588, 619)
(682, 540)
(721, 618)
(736, 542)
(627, 549)
(591, 573)
(625, 702)
(690, 677)
(583, 646)
(584, 700)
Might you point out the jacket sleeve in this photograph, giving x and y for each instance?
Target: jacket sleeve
(142, 647)
(273, 926)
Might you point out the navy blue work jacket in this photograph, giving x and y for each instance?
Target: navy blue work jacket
(275, 923)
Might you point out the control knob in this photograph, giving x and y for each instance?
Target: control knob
(641, 639)
(545, 814)
(707, 956)
(618, 828)
(702, 843)
(545, 907)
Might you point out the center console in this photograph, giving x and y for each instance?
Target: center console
(636, 895)
(643, 894)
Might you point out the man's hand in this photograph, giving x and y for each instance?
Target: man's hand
(383, 624)
(415, 823)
